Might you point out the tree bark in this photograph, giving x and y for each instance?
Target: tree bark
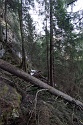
(6, 21)
(20, 14)
(51, 43)
(21, 74)
(47, 52)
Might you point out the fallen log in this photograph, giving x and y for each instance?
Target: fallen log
(27, 77)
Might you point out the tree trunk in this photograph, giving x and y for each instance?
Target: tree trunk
(23, 64)
(6, 21)
(51, 43)
(21, 74)
(47, 43)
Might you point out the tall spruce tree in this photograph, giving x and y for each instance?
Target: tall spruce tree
(51, 42)
(47, 40)
(20, 13)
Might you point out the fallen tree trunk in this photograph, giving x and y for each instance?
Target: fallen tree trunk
(21, 74)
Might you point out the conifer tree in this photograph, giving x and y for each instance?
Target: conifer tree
(20, 13)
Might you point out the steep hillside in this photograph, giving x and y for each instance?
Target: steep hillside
(29, 100)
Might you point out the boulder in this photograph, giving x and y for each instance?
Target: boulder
(10, 101)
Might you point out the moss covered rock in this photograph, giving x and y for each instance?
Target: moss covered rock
(9, 102)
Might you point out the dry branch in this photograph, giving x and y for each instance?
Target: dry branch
(21, 74)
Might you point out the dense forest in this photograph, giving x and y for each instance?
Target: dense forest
(41, 63)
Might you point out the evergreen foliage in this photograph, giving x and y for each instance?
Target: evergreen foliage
(67, 44)
(61, 39)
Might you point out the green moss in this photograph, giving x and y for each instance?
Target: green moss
(1, 123)
(5, 89)
(18, 97)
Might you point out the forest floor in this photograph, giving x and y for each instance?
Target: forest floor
(37, 107)
(22, 103)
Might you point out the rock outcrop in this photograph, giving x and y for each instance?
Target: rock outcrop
(10, 101)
